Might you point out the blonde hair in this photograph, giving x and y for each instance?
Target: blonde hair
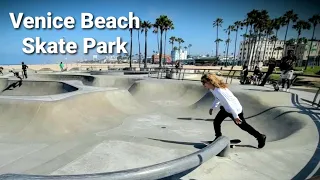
(214, 80)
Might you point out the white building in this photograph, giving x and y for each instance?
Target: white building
(179, 54)
(264, 50)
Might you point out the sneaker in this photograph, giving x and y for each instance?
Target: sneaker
(288, 90)
(284, 89)
(262, 141)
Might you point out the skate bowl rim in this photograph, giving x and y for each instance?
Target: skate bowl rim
(72, 88)
(156, 171)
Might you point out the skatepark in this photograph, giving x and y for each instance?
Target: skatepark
(82, 126)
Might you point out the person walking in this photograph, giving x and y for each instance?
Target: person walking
(230, 107)
(24, 70)
(271, 67)
(245, 72)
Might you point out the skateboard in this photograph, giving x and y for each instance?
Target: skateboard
(233, 142)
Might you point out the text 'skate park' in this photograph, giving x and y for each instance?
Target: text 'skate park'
(88, 21)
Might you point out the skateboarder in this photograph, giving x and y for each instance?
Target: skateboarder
(1, 69)
(245, 72)
(286, 68)
(230, 107)
(24, 70)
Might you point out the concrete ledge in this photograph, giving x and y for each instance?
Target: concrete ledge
(156, 171)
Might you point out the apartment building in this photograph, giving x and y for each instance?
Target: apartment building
(264, 50)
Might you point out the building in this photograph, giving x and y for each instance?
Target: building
(264, 50)
(166, 59)
(179, 54)
(303, 50)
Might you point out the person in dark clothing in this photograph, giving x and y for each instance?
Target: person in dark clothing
(272, 66)
(24, 70)
(245, 72)
(286, 67)
(1, 69)
(256, 75)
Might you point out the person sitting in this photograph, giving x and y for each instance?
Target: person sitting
(256, 77)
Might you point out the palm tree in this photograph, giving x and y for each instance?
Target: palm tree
(252, 17)
(179, 40)
(130, 56)
(168, 26)
(235, 28)
(161, 23)
(189, 46)
(172, 39)
(227, 44)
(314, 20)
(217, 23)
(138, 30)
(228, 31)
(245, 35)
(299, 26)
(156, 31)
(268, 32)
(273, 39)
(145, 25)
(217, 41)
(287, 18)
(277, 22)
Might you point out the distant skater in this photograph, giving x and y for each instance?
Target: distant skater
(230, 107)
(24, 70)
(1, 69)
(61, 66)
(286, 67)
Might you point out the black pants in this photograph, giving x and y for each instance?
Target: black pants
(284, 82)
(24, 74)
(222, 114)
(265, 78)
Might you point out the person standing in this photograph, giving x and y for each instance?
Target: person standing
(24, 70)
(230, 107)
(1, 69)
(286, 67)
(271, 67)
(245, 72)
(61, 66)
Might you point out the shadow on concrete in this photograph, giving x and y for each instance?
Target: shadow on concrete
(13, 86)
(198, 119)
(262, 90)
(311, 168)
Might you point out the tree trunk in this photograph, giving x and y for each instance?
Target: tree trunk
(139, 48)
(244, 46)
(274, 45)
(217, 43)
(285, 38)
(160, 55)
(249, 45)
(265, 46)
(296, 47)
(145, 48)
(130, 57)
(314, 29)
(235, 48)
(165, 42)
(158, 41)
(259, 48)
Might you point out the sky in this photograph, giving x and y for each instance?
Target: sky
(192, 21)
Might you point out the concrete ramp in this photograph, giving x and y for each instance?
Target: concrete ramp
(145, 122)
(33, 88)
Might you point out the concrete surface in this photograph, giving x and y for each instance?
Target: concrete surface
(116, 123)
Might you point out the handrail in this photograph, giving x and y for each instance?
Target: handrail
(157, 171)
(315, 98)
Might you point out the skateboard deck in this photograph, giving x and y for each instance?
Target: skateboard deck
(233, 142)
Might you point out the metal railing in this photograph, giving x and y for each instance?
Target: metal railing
(153, 172)
(315, 98)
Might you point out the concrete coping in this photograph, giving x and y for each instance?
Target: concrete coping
(157, 171)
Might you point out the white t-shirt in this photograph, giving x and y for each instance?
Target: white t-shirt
(226, 98)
